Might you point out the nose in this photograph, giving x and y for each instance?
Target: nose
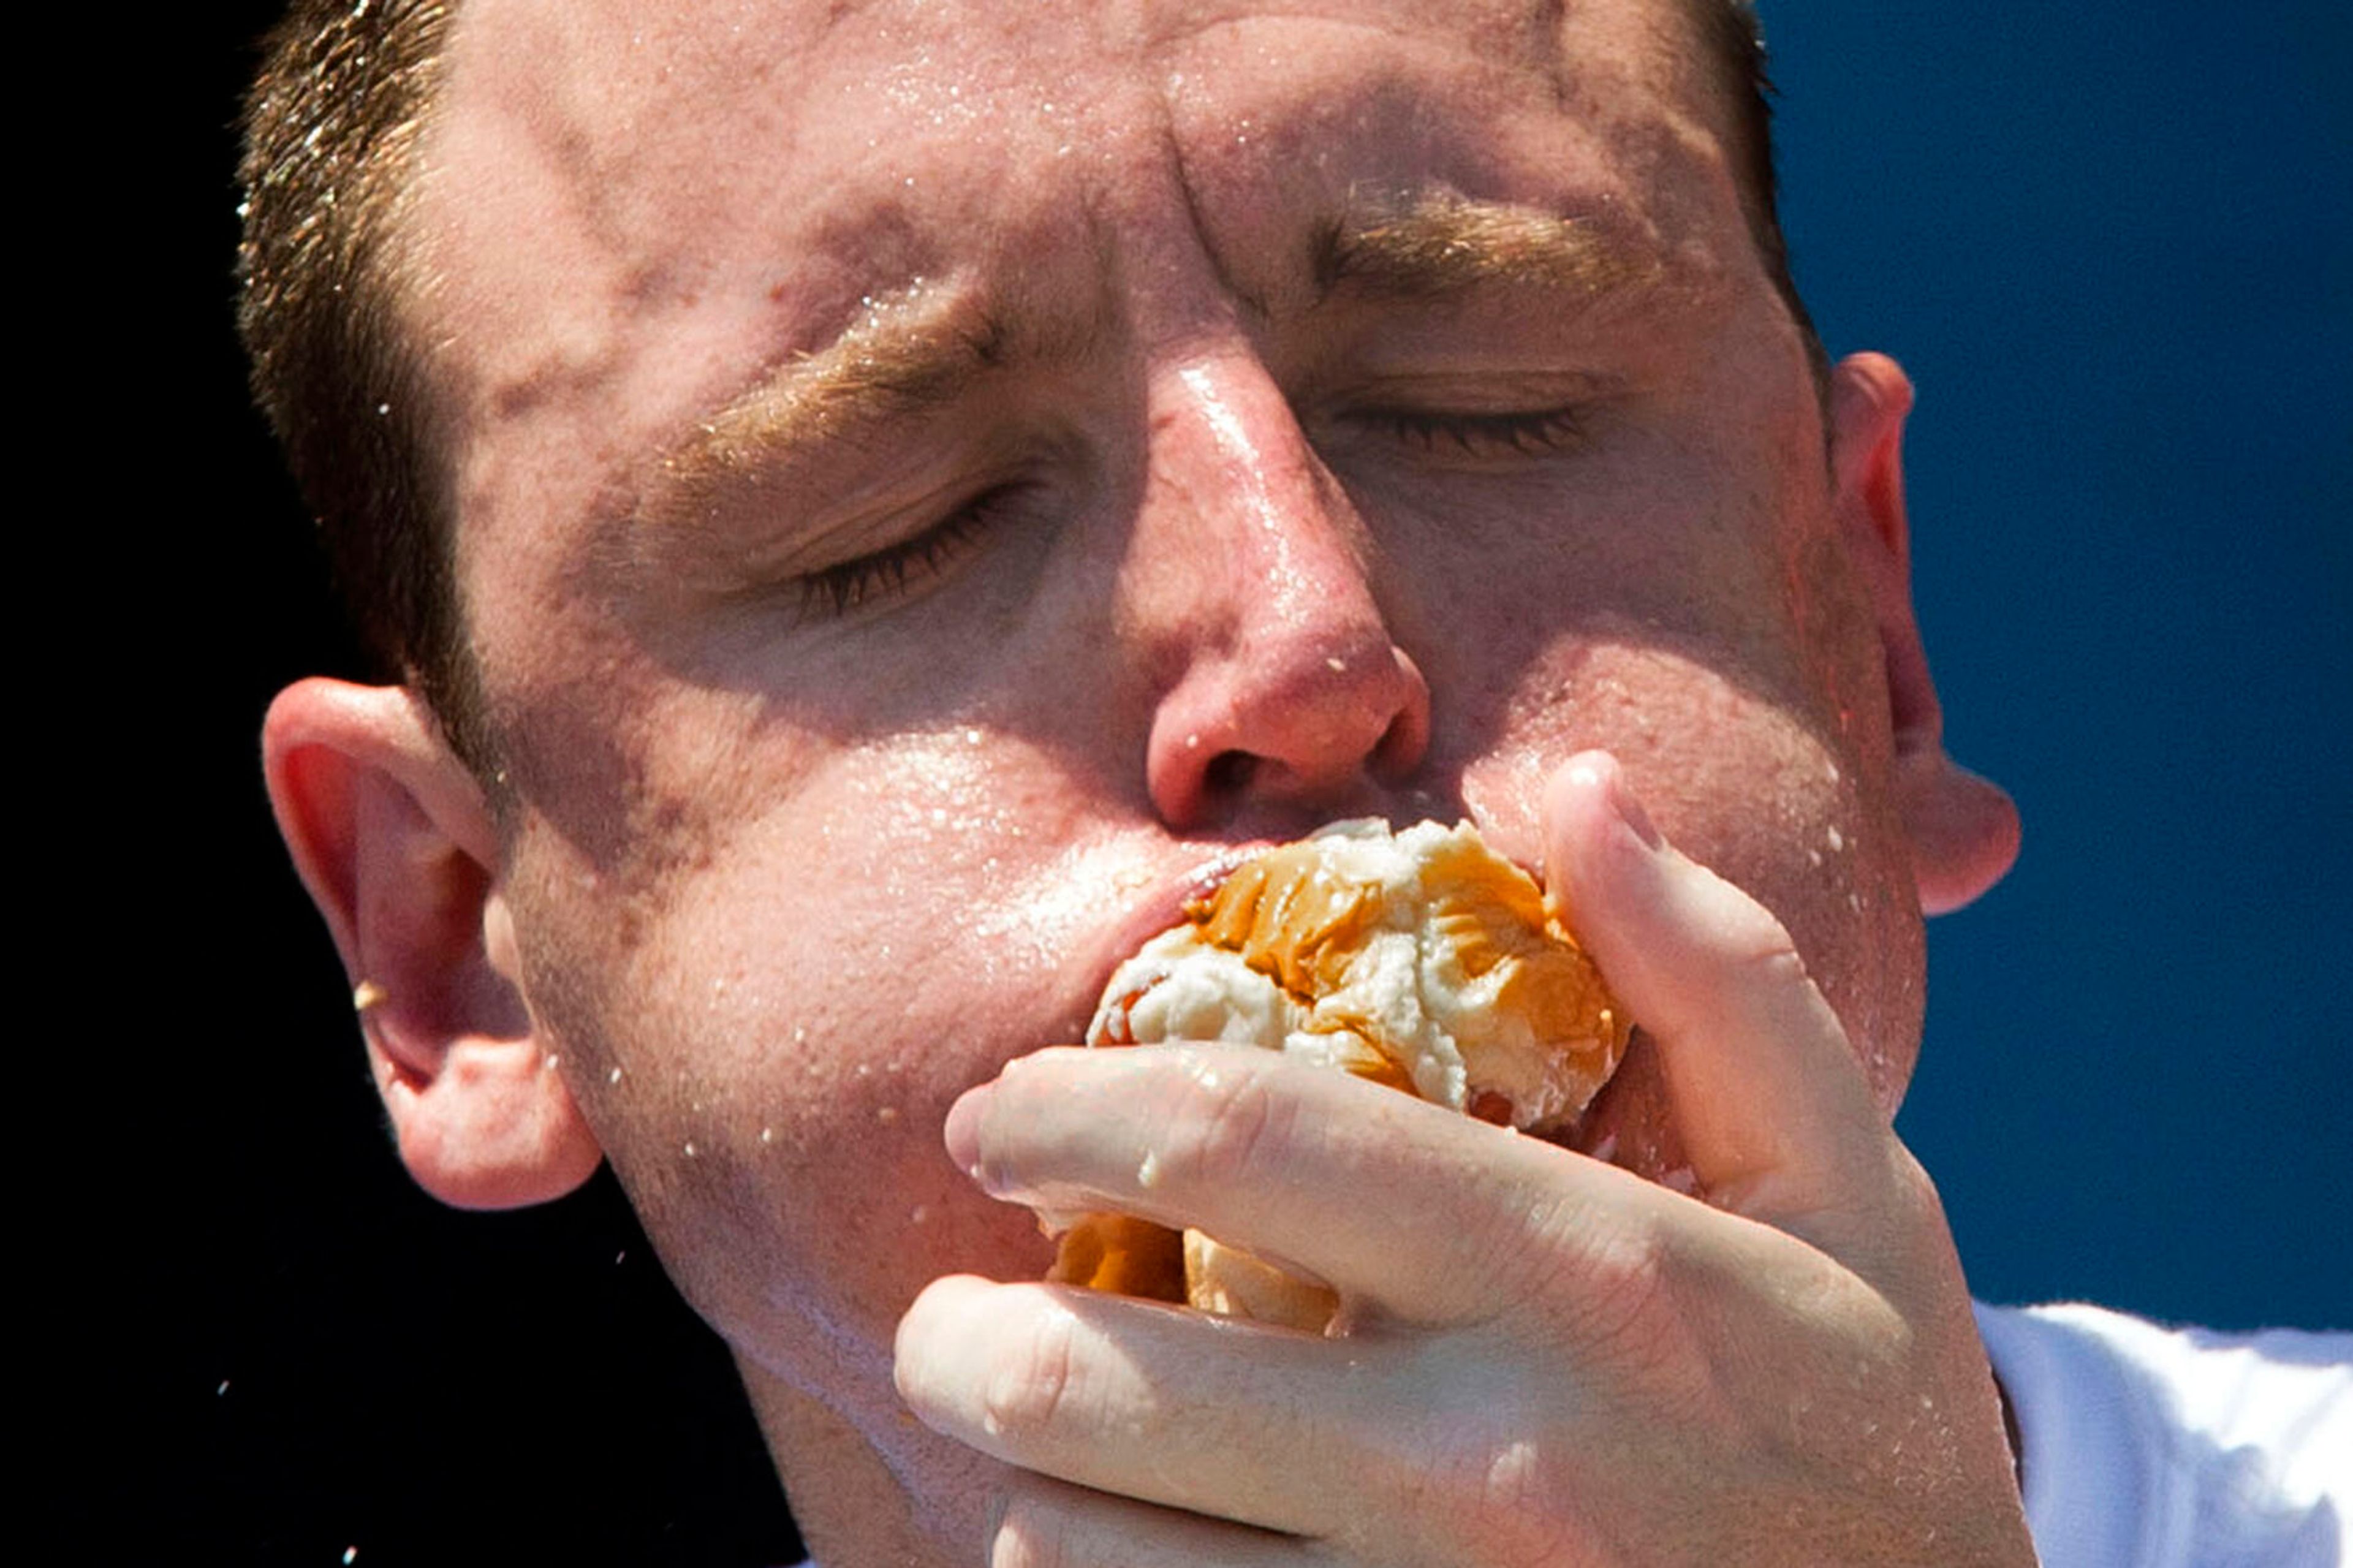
(1279, 683)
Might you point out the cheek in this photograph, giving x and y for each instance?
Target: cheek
(1784, 801)
(766, 1033)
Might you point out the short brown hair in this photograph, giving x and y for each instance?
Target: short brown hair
(331, 132)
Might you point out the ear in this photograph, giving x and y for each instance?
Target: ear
(1964, 828)
(393, 839)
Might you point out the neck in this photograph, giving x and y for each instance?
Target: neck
(920, 1506)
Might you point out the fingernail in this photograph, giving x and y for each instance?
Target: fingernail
(1630, 812)
(962, 1132)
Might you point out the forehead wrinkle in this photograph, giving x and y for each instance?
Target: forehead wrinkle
(1527, 25)
(1433, 245)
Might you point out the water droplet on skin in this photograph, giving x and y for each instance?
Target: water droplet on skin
(799, 1035)
(972, 737)
(768, 1134)
(919, 1213)
(1148, 1170)
(613, 1077)
(689, 1149)
(1837, 840)
(886, 1114)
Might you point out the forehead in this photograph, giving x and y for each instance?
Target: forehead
(795, 159)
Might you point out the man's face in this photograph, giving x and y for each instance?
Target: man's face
(936, 477)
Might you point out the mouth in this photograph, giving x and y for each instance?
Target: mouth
(1627, 1124)
(1158, 907)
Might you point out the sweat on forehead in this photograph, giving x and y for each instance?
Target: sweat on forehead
(332, 130)
(803, 172)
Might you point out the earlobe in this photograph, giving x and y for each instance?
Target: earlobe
(391, 835)
(1964, 828)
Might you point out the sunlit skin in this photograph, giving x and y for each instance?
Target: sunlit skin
(935, 481)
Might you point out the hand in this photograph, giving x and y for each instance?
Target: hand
(1544, 1359)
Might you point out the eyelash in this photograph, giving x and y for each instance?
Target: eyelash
(1543, 430)
(838, 589)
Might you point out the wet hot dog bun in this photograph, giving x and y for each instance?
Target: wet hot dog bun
(1420, 959)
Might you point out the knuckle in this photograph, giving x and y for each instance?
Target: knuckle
(1222, 1126)
(1521, 1513)
(1762, 951)
(1030, 1387)
(1494, 1493)
(1610, 1280)
(1630, 1316)
(1029, 1532)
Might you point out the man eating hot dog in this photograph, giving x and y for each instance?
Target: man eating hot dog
(866, 509)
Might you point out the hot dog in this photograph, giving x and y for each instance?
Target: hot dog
(1419, 958)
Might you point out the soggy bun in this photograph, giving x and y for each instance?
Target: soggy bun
(1419, 958)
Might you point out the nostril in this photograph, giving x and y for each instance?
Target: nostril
(1401, 746)
(1406, 742)
(1228, 773)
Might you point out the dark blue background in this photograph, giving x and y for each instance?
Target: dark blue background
(2112, 244)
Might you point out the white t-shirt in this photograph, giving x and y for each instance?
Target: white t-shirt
(2152, 1447)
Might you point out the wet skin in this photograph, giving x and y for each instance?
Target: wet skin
(928, 489)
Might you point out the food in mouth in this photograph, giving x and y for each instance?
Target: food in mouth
(1419, 959)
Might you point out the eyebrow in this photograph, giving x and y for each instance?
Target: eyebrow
(923, 349)
(903, 357)
(1434, 245)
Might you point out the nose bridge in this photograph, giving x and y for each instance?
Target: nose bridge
(1270, 548)
(1229, 444)
(1281, 682)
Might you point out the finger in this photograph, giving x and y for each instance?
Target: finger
(1047, 1523)
(1765, 1093)
(1125, 1396)
(1420, 1214)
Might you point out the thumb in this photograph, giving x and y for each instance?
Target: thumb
(1772, 1110)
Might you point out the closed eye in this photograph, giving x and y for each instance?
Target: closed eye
(879, 574)
(1526, 432)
